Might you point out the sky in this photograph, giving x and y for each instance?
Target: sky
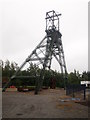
(22, 27)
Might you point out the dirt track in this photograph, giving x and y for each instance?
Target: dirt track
(46, 104)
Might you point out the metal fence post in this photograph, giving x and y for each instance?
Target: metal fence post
(84, 93)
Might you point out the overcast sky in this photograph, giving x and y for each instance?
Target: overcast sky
(22, 27)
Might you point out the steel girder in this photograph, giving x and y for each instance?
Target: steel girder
(50, 46)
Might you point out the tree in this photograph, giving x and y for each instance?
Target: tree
(13, 68)
(33, 69)
(85, 76)
(74, 78)
(6, 69)
(1, 66)
(88, 74)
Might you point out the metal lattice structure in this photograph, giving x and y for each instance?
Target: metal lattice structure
(51, 46)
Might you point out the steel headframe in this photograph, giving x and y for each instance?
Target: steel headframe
(50, 46)
(52, 20)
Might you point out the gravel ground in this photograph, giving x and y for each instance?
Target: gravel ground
(47, 104)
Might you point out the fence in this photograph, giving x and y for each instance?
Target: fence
(72, 89)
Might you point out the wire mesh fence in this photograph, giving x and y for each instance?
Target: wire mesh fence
(76, 90)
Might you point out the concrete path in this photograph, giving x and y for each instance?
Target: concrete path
(47, 104)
